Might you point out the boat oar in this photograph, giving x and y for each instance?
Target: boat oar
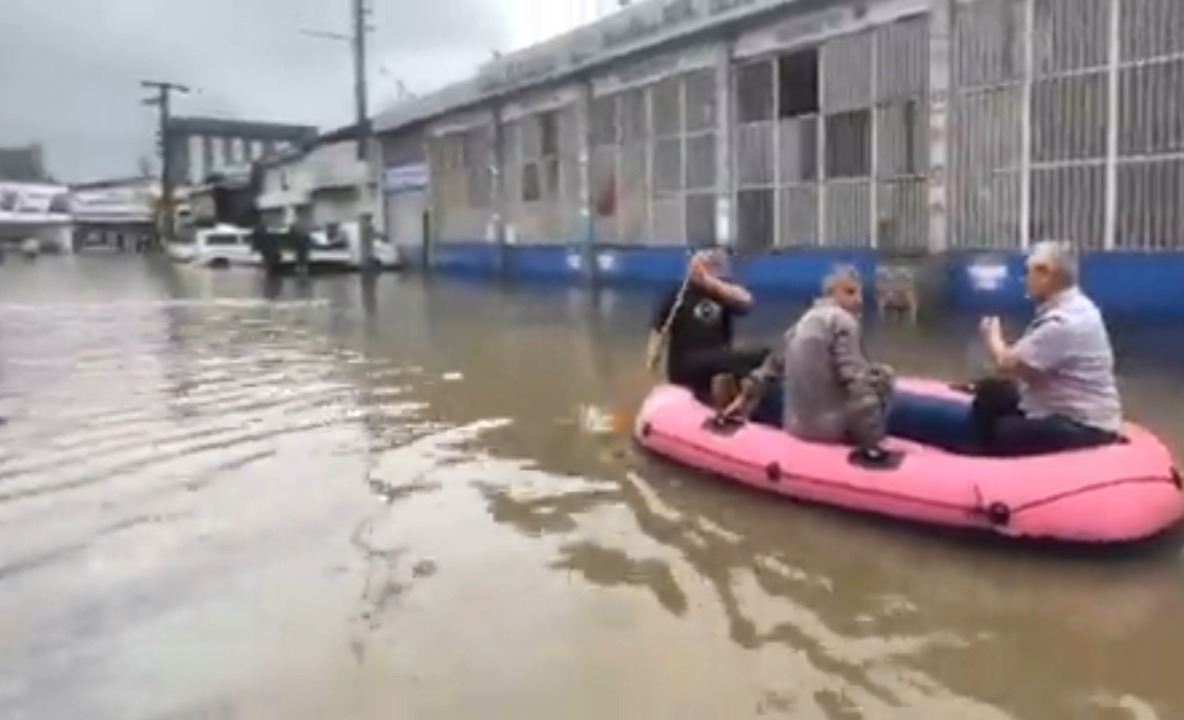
(653, 370)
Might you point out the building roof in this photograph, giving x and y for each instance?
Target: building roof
(112, 183)
(341, 134)
(252, 129)
(347, 132)
(645, 26)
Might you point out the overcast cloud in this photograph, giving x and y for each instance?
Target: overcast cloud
(70, 69)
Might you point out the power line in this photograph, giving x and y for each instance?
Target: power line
(360, 14)
(326, 35)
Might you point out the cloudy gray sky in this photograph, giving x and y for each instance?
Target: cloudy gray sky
(70, 69)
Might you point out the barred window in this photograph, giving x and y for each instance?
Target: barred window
(653, 166)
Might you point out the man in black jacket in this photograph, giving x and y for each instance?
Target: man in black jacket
(694, 324)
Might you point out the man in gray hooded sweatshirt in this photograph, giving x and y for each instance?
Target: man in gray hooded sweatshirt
(833, 394)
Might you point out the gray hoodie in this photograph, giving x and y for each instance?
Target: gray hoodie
(832, 393)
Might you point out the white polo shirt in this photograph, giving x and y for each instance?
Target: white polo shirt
(1068, 343)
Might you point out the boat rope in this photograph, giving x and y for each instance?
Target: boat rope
(979, 502)
(1055, 497)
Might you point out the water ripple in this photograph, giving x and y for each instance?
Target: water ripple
(225, 498)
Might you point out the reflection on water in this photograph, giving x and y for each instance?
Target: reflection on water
(228, 497)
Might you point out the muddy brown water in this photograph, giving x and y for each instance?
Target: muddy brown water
(224, 498)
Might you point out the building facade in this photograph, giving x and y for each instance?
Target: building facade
(37, 211)
(200, 147)
(803, 133)
(321, 183)
(405, 193)
(23, 164)
(119, 212)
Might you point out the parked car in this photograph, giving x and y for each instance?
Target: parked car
(219, 247)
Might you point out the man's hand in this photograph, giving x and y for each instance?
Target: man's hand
(1006, 361)
(991, 331)
(701, 267)
(745, 402)
(704, 271)
(736, 408)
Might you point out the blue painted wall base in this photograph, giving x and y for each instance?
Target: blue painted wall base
(1150, 285)
(789, 274)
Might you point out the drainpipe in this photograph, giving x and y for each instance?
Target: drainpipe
(586, 232)
(724, 155)
(497, 192)
(365, 232)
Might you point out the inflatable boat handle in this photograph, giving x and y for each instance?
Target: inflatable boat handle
(724, 425)
(875, 458)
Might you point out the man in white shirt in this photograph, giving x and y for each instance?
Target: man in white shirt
(1062, 394)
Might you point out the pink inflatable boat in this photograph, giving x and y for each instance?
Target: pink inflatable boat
(1115, 494)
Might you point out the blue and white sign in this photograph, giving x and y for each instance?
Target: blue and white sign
(987, 274)
(606, 263)
(405, 178)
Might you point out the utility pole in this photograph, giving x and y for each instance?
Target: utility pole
(360, 11)
(357, 38)
(161, 100)
(365, 217)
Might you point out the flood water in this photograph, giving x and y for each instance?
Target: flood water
(221, 498)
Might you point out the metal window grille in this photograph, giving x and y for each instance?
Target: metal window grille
(666, 161)
(540, 158)
(901, 135)
(1068, 122)
(847, 78)
(652, 163)
(986, 124)
(1149, 157)
(602, 167)
(831, 142)
(755, 151)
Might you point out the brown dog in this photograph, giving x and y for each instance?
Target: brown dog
(896, 291)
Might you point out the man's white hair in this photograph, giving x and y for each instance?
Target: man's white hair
(838, 275)
(1060, 255)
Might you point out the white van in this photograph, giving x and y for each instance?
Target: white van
(223, 246)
